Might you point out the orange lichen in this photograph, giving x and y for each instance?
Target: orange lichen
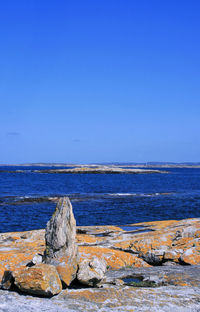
(115, 259)
(88, 239)
(67, 269)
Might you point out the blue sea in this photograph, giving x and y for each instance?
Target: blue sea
(27, 198)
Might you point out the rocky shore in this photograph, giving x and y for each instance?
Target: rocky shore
(151, 266)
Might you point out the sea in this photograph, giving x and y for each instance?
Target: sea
(28, 198)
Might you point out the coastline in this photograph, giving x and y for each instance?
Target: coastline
(164, 254)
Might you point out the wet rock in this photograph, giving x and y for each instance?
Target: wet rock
(61, 247)
(91, 272)
(41, 279)
(162, 275)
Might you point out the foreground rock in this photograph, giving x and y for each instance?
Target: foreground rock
(114, 298)
(60, 237)
(41, 279)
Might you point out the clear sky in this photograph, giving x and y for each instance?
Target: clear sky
(99, 81)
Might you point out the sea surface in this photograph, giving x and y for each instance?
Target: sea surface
(28, 198)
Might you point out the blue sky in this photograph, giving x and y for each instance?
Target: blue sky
(99, 81)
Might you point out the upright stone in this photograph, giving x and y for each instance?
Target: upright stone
(60, 237)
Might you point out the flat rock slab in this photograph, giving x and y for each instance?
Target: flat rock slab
(162, 299)
(163, 275)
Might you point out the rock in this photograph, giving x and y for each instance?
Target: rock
(60, 235)
(37, 259)
(128, 299)
(191, 256)
(18, 249)
(113, 298)
(115, 259)
(67, 268)
(170, 244)
(91, 272)
(41, 279)
(166, 240)
(161, 275)
(61, 247)
(7, 280)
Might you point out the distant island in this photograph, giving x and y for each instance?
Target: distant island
(114, 164)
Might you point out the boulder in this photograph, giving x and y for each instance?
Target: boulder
(60, 237)
(191, 256)
(41, 279)
(91, 272)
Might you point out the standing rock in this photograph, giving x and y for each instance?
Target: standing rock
(61, 247)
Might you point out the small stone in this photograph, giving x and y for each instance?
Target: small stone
(37, 259)
(7, 280)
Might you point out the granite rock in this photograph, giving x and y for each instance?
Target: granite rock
(60, 237)
(41, 279)
(91, 272)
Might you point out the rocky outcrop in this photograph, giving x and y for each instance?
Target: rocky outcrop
(164, 241)
(115, 259)
(60, 237)
(160, 258)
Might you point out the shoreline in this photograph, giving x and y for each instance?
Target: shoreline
(147, 263)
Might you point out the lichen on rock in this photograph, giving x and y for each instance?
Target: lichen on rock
(60, 237)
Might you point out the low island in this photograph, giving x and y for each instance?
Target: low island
(100, 169)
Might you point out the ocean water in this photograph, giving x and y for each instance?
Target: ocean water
(27, 198)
